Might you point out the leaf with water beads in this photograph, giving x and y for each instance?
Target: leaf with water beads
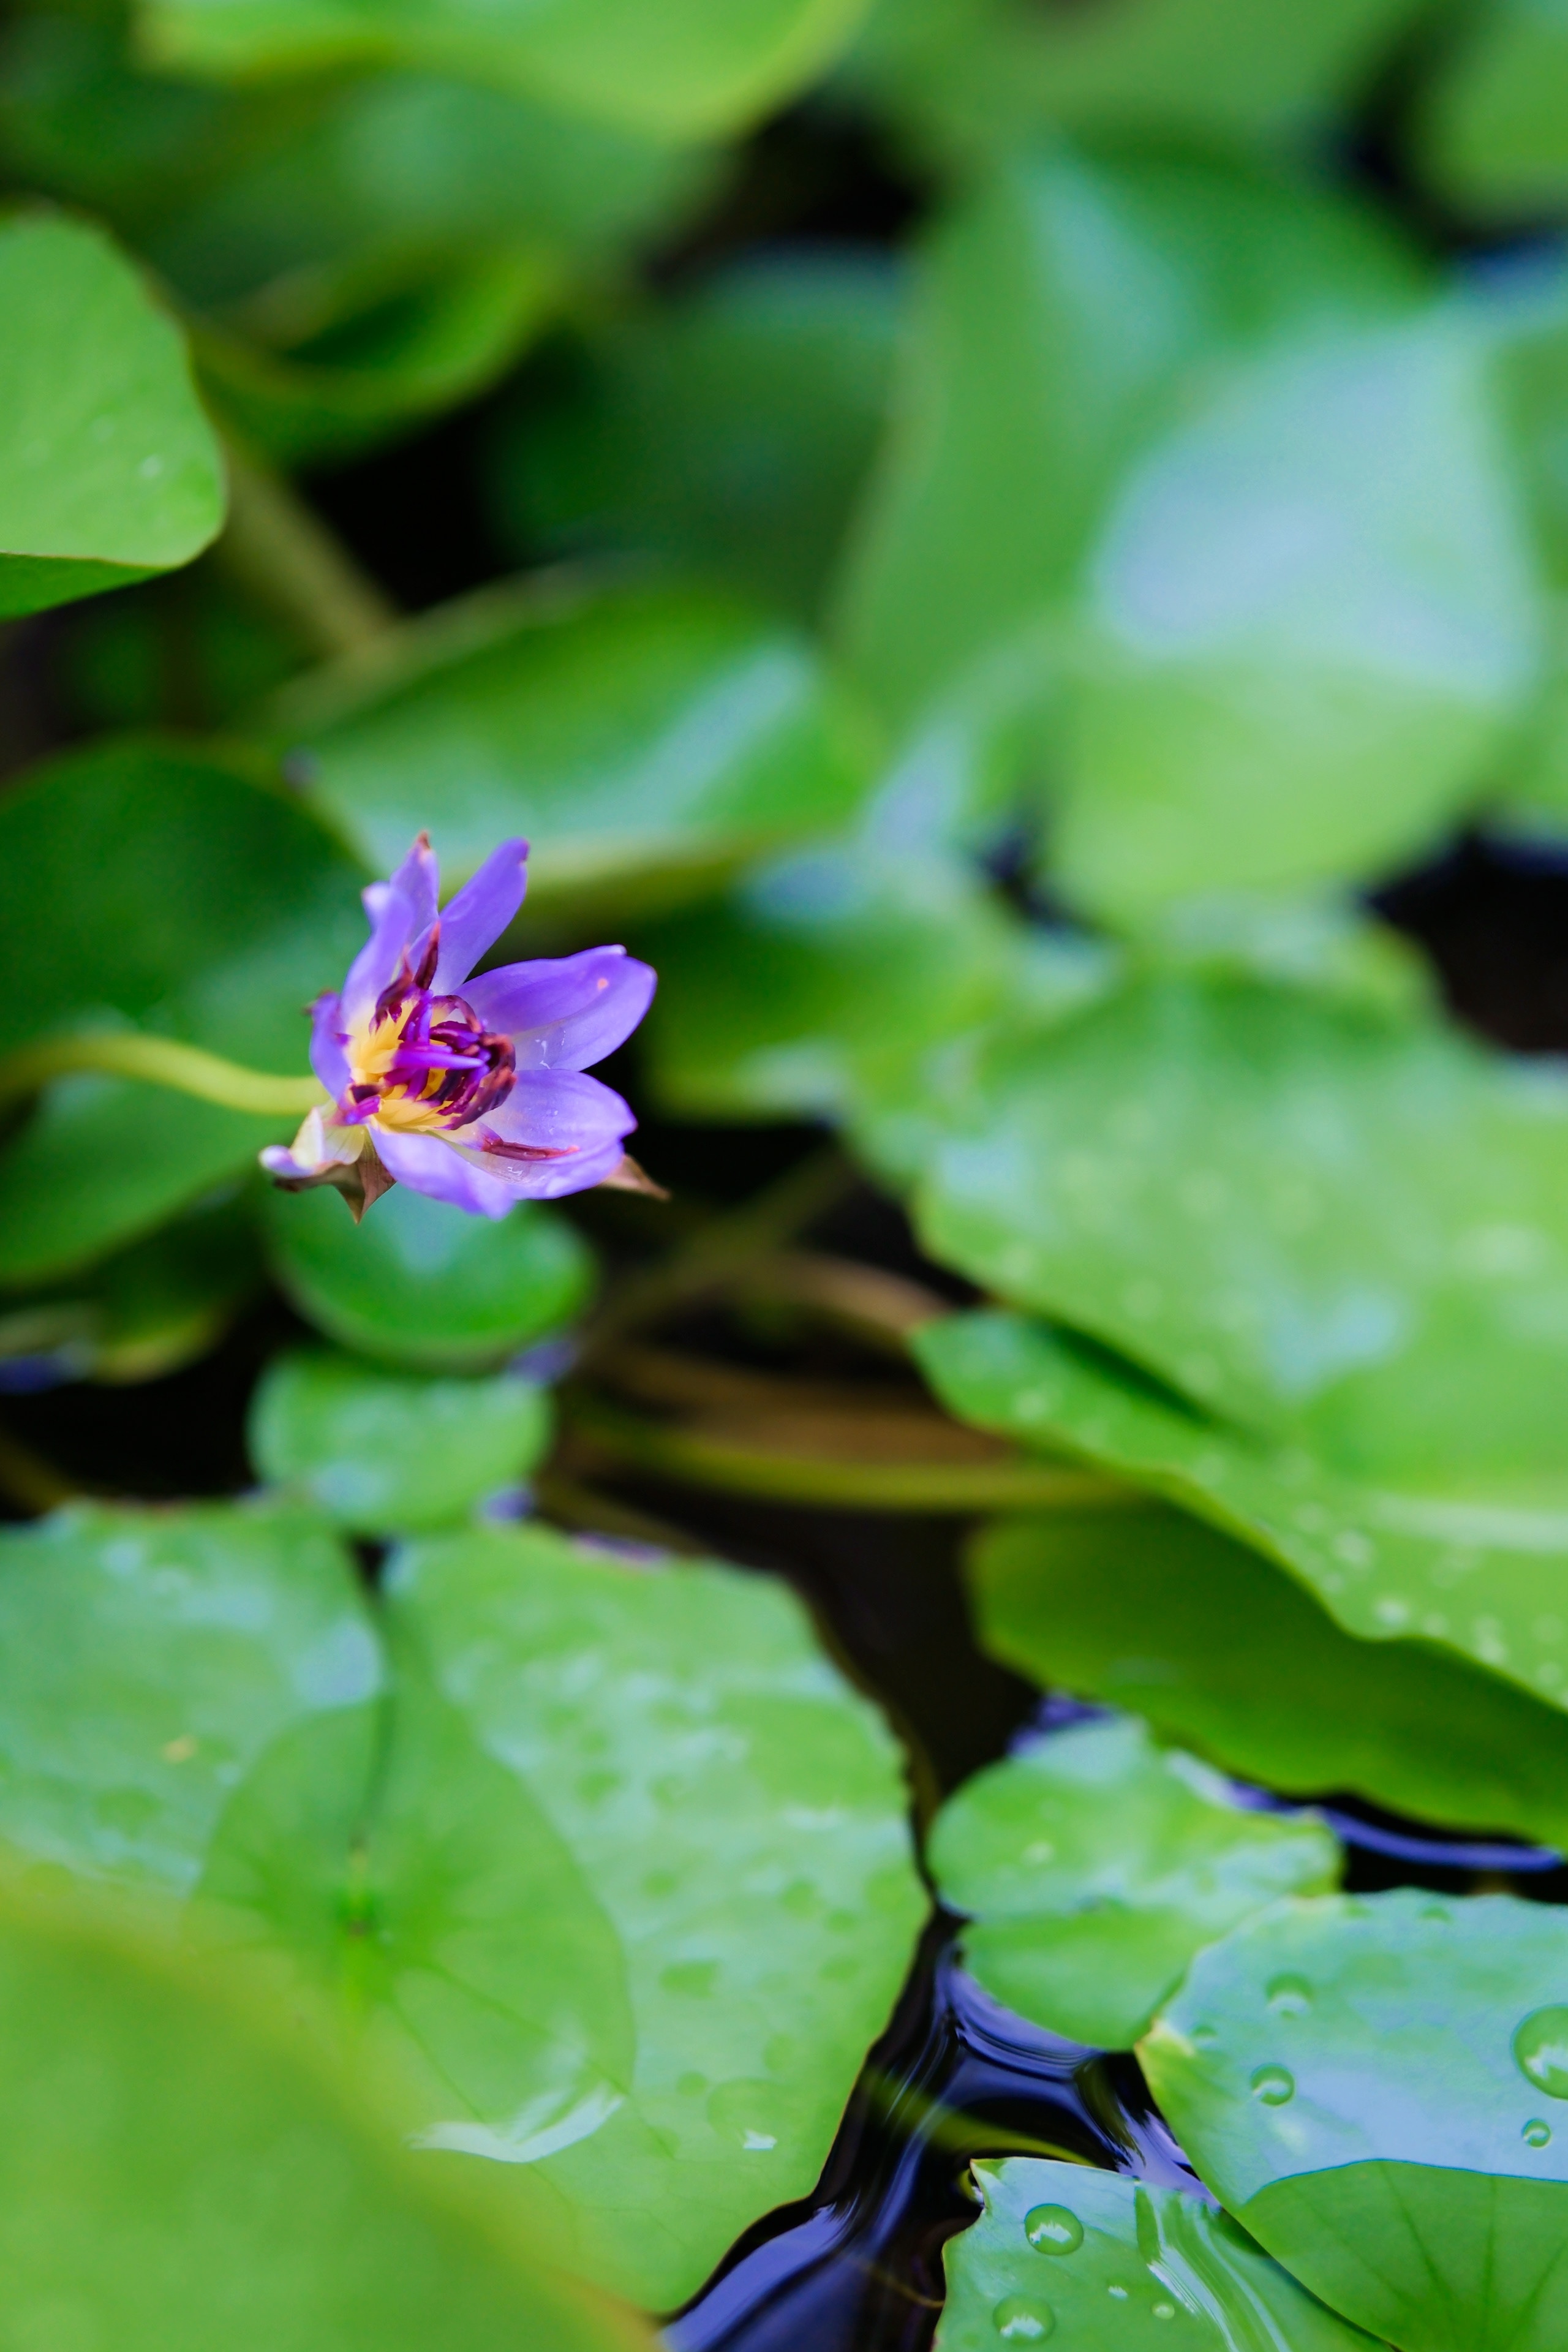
(1378, 2087)
(1096, 2263)
(1094, 1865)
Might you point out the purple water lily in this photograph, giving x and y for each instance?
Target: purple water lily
(471, 1090)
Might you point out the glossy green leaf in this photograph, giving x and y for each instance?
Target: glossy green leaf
(1491, 126)
(109, 469)
(148, 1659)
(727, 430)
(1146, 1608)
(842, 984)
(380, 1452)
(142, 883)
(1312, 1218)
(367, 357)
(1375, 2087)
(1291, 668)
(1067, 312)
(1482, 1577)
(414, 1284)
(1093, 1864)
(1111, 2263)
(617, 1884)
(645, 739)
(701, 67)
(177, 2173)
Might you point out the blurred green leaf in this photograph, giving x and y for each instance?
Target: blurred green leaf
(700, 67)
(727, 429)
(109, 469)
(1308, 1216)
(1479, 1573)
(416, 1285)
(1152, 1610)
(179, 2175)
(970, 77)
(646, 739)
(1093, 1864)
(382, 1451)
(1117, 2262)
(147, 1661)
(1491, 128)
(146, 884)
(1370, 2085)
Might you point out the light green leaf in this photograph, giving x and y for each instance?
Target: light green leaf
(727, 429)
(147, 1660)
(176, 2173)
(1118, 2266)
(1373, 2086)
(417, 1285)
(1491, 125)
(1483, 1578)
(1313, 1219)
(1149, 1609)
(1094, 1865)
(1068, 312)
(109, 469)
(647, 741)
(380, 1452)
(1290, 668)
(700, 68)
(141, 883)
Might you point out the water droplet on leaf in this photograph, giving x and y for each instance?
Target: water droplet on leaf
(1537, 2132)
(1054, 2229)
(1541, 2050)
(1274, 2086)
(1289, 1996)
(1022, 2320)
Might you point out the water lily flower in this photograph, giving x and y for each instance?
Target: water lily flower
(472, 1090)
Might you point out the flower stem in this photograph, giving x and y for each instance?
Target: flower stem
(277, 551)
(159, 1062)
(694, 1458)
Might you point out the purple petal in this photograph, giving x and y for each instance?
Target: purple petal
(552, 1179)
(572, 1123)
(398, 910)
(328, 1059)
(567, 1013)
(278, 1161)
(479, 912)
(426, 1164)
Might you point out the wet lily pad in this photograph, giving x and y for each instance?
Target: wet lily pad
(382, 1451)
(1150, 1609)
(1375, 2087)
(1094, 1865)
(414, 1285)
(616, 1882)
(645, 740)
(1100, 2262)
(110, 470)
(1479, 1577)
(177, 2172)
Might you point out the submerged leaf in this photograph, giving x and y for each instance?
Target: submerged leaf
(1092, 1865)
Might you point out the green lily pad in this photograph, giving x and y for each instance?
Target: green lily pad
(1092, 1866)
(1373, 2086)
(147, 1660)
(178, 2173)
(1315, 1221)
(727, 430)
(1492, 124)
(1481, 1578)
(143, 883)
(647, 741)
(1069, 309)
(704, 67)
(1151, 1610)
(379, 1451)
(415, 1284)
(1113, 2263)
(110, 470)
(614, 1888)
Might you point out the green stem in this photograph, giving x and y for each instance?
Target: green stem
(278, 552)
(689, 1458)
(159, 1062)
